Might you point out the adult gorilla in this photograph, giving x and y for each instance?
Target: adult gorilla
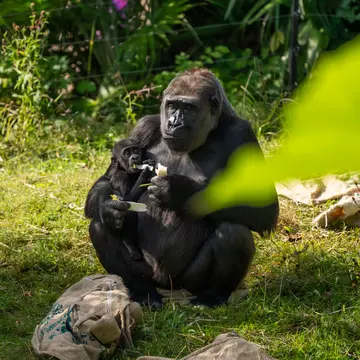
(193, 136)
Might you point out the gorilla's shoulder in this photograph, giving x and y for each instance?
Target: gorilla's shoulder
(147, 131)
(238, 130)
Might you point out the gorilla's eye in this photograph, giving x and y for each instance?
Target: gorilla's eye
(126, 153)
(172, 107)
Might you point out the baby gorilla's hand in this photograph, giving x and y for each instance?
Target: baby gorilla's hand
(149, 162)
(113, 212)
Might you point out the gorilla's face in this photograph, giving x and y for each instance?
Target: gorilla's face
(183, 116)
(130, 157)
(187, 114)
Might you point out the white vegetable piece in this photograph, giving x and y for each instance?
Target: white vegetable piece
(161, 170)
(137, 207)
(144, 166)
(134, 206)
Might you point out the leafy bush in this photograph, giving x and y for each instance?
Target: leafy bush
(45, 106)
(78, 72)
(320, 22)
(23, 96)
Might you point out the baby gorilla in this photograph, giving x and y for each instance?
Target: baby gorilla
(127, 178)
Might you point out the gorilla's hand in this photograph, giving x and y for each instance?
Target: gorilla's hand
(145, 176)
(149, 162)
(112, 213)
(172, 191)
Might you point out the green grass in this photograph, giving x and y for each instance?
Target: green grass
(304, 292)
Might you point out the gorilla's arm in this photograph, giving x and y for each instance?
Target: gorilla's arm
(137, 190)
(100, 207)
(258, 219)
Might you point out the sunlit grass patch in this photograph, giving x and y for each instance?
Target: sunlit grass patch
(303, 300)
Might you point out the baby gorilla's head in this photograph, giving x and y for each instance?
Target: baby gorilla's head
(128, 154)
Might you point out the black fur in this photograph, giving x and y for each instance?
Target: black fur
(127, 180)
(194, 138)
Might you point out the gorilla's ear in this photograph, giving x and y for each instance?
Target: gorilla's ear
(214, 103)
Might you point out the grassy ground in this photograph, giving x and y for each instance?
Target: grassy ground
(304, 292)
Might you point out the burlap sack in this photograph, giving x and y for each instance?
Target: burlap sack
(89, 320)
(227, 346)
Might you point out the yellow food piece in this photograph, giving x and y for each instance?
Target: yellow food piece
(114, 197)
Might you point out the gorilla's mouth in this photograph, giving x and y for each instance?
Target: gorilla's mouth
(175, 132)
(133, 169)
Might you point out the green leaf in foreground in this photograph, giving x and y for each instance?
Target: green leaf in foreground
(324, 137)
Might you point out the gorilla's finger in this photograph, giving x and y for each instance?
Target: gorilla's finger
(118, 205)
(152, 189)
(113, 222)
(149, 162)
(155, 199)
(158, 180)
(116, 214)
(145, 172)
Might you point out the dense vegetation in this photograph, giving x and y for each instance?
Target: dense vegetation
(67, 66)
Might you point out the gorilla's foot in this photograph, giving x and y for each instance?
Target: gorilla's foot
(151, 299)
(210, 299)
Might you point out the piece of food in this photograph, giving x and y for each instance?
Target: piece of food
(161, 170)
(134, 206)
(137, 207)
(144, 166)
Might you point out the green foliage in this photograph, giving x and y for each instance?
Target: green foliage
(21, 78)
(102, 40)
(320, 21)
(89, 62)
(322, 130)
(140, 49)
(41, 97)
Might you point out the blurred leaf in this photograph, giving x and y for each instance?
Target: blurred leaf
(317, 42)
(229, 9)
(216, 54)
(324, 135)
(276, 40)
(85, 86)
(260, 9)
(304, 31)
(83, 105)
(222, 49)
